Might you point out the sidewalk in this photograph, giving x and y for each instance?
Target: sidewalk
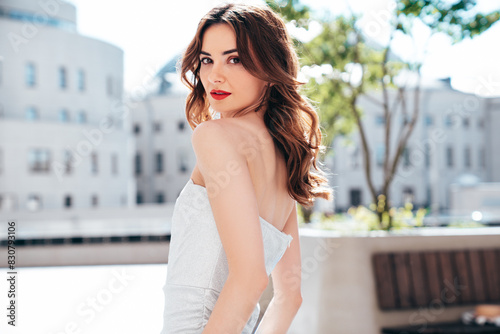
(87, 299)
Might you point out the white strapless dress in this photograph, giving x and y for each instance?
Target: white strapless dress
(197, 265)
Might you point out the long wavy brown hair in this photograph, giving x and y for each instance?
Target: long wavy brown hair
(266, 51)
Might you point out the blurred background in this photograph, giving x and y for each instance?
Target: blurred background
(95, 148)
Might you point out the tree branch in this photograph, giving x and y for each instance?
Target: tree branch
(410, 128)
(373, 99)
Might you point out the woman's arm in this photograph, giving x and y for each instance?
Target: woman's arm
(235, 209)
(286, 284)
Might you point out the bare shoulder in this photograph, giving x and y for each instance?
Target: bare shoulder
(216, 140)
(223, 133)
(218, 127)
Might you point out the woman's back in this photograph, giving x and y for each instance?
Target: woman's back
(197, 262)
(266, 165)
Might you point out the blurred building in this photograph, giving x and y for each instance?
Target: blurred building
(64, 139)
(164, 158)
(455, 139)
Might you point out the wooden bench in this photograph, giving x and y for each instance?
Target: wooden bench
(431, 279)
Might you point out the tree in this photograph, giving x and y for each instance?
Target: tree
(352, 68)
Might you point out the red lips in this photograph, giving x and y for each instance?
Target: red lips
(219, 94)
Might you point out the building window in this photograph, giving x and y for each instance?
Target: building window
(8, 202)
(138, 164)
(63, 80)
(81, 80)
(157, 127)
(379, 120)
(466, 122)
(449, 156)
(406, 157)
(355, 197)
(429, 120)
(408, 196)
(181, 125)
(81, 117)
(114, 164)
(160, 198)
(34, 202)
(137, 129)
(94, 166)
(94, 201)
(68, 201)
(138, 198)
(63, 116)
(39, 160)
(68, 156)
(159, 162)
(32, 114)
(380, 155)
(30, 75)
(183, 166)
(448, 121)
(482, 158)
(467, 158)
(428, 197)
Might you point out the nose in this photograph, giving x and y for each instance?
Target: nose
(216, 76)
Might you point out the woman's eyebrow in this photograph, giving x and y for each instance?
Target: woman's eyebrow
(223, 53)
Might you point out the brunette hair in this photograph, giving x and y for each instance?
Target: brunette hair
(266, 51)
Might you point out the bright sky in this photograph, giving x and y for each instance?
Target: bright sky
(151, 32)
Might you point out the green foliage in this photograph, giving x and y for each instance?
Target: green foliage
(291, 10)
(363, 219)
(340, 44)
(459, 19)
(466, 224)
(334, 91)
(350, 68)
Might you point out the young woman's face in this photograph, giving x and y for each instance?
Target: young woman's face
(228, 85)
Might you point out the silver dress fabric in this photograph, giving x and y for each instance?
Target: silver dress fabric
(197, 264)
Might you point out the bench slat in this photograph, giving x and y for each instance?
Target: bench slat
(449, 294)
(417, 272)
(433, 277)
(477, 275)
(384, 281)
(417, 279)
(403, 284)
(464, 277)
(491, 263)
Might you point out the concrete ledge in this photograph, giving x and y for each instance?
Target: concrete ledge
(92, 254)
(338, 284)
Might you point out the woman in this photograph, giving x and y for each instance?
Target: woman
(235, 221)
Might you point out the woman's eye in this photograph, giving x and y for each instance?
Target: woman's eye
(234, 60)
(206, 60)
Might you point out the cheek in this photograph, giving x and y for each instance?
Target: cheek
(256, 86)
(203, 76)
(251, 84)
